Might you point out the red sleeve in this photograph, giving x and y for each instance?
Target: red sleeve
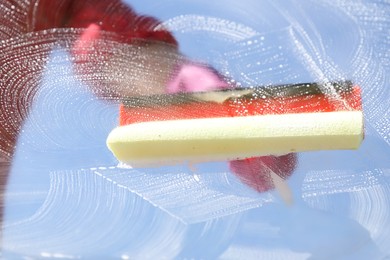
(110, 15)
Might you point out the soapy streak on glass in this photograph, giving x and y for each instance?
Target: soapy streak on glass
(42, 137)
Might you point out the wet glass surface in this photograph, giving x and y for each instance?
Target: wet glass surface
(66, 196)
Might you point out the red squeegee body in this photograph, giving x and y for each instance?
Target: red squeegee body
(342, 99)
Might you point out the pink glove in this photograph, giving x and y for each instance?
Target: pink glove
(86, 39)
(192, 77)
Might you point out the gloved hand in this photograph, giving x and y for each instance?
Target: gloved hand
(184, 76)
(195, 77)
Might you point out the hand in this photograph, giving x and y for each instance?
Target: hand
(192, 77)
